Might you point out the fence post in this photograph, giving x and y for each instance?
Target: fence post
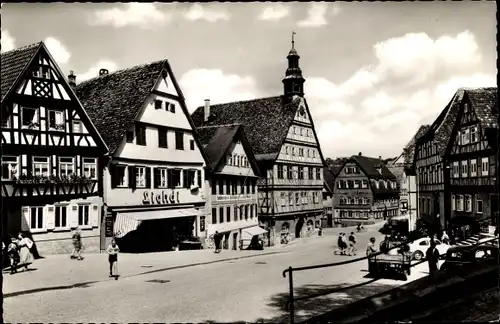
(292, 306)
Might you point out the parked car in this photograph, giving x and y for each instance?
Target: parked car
(460, 256)
(420, 246)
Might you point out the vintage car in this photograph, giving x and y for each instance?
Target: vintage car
(465, 256)
(420, 246)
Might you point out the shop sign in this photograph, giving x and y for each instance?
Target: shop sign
(108, 226)
(160, 197)
(202, 223)
(236, 197)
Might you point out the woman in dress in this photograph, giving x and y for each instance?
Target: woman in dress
(25, 256)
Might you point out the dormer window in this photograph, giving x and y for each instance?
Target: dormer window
(158, 104)
(171, 107)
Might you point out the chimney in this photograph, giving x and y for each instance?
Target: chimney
(360, 154)
(72, 79)
(380, 158)
(103, 72)
(207, 109)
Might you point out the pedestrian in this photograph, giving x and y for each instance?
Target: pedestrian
(25, 256)
(13, 253)
(371, 247)
(113, 250)
(352, 244)
(445, 238)
(432, 256)
(217, 240)
(77, 244)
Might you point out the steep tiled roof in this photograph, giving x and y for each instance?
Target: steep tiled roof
(216, 140)
(382, 192)
(398, 171)
(113, 101)
(409, 150)
(329, 178)
(13, 63)
(484, 102)
(370, 165)
(266, 121)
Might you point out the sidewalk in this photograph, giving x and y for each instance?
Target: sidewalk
(60, 272)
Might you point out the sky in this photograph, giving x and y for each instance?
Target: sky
(374, 71)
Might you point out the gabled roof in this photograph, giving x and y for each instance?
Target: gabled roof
(329, 179)
(398, 171)
(216, 141)
(409, 150)
(484, 101)
(13, 65)
(370, 165)
(115, 100)
(266, 121)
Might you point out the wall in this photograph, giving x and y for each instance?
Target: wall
(236, 149)
(360, 192)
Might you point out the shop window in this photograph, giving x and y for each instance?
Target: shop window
(36, 218)
(61, 220)
(83, 215)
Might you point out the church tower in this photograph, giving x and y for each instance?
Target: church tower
(293, 82)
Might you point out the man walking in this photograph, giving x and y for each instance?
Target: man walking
(352, 243)
(77, 244)
(217, 239)
(432, 256)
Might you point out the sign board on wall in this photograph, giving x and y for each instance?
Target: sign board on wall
(160, 197)
(108, 225)
(202, 223)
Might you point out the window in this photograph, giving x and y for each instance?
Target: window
(56, 120)
(283, 199)
(179, 140)
(83, 215)
(364, 184)
(163, 178)
(36, 217)
(61, 220)
(293, 151)
(297, 198)
(230, 159)
(356, 184)
(129, 136)
(484, 166)
(453, 203)
(162, 138)
(318, 173)
(460, 203)
(479, 205)
(175, 178)
(303, 197)
(365, 201)
(286, 150)
(214, 187)
(30, 117)
(41, 166)
(77, 126)
(221, 215)
(140, 134)
(158, 104)
(290, 172)
(301, 173)
(464, 172)
(121, 173)
(10, 167)
(66, 166)
(310, 174)
(191, 145)
(468, 203)
(236, 213)
(45, 72)
(214, 215)
(466, 137)
(172, 107)
(473, 134)
(455, 169)
(473, 168)
(190, 179)
(280, 171)
(290, 199)
(228, 214)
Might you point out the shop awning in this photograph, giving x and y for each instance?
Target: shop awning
(248, 233)
(128, 222)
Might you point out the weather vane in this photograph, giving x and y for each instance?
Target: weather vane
(293, 41)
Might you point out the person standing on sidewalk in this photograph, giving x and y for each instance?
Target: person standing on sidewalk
(432, 256)
(352, 244)
(25, 256)
(113, 250)
(217, 239)
(77, 244)
(13, 252)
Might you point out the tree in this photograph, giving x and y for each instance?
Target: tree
(329, 162)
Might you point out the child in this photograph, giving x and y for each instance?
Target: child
(13, 252)
(113, 258)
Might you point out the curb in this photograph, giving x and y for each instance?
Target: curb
(83, 284)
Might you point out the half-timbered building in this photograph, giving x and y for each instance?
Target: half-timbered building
(328, 189)
(365, 191)
(154, 180)
(473, 163)
(232, 174)
(281, 133)
(51, 154)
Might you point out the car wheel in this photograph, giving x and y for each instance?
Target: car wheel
(418, 255)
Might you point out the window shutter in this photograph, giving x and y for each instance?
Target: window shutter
(73, 215)
(131, 176)
(185, 178)
(50, 216)
(148, 177)
(113, 172)
(94, 215)
(25, 219)
(156, 177)
(200, 184)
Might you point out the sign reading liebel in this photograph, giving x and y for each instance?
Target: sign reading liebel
(161, 198)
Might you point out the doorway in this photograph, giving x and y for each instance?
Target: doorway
(298, 226)
(235, 241)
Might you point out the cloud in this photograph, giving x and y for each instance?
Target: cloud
(379, 104)
(57, 50)
(143, 15)
(8, 42)
(335, 9)
(315, 16)
(274, 12)
(197, 12)
(200, 84)
(94, 70)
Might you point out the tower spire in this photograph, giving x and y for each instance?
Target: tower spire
(293, 41)
(293, 81)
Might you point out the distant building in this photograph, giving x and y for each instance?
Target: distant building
(154, 179)
(365, 191)
(232, 174)
(407, 182)
(282, 135)
(328, 187)
(52, 155)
